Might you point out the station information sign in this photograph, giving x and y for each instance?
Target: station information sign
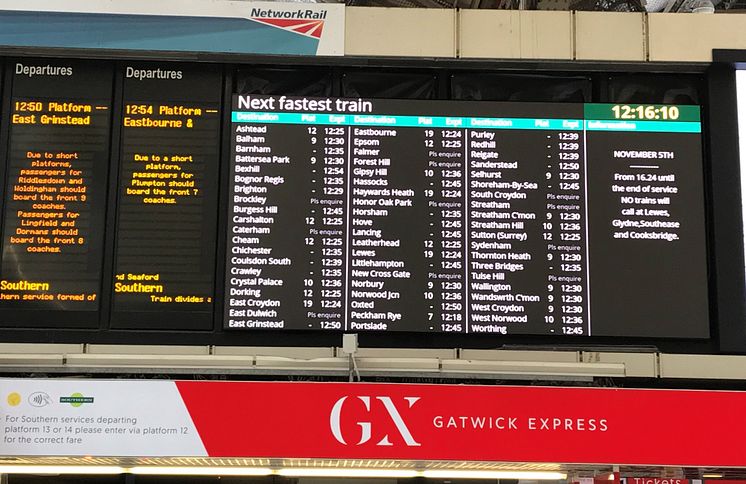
(57, 164)
(465, 217)
(168, 197)
(341, 215)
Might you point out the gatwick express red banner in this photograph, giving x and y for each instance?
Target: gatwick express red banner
(370, 421)
(521, 424)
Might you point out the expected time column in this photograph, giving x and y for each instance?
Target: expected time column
(565, 230)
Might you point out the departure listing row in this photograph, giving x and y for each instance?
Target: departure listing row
(341, 214)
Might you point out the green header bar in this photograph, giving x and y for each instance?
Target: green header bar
(456, 122)
(643, 112)
(644, 126)
(407, 121)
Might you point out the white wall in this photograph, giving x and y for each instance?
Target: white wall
(506, 34)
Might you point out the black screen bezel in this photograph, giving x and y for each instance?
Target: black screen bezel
(216, 336)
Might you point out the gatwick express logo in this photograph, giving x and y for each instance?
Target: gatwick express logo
(378, 417)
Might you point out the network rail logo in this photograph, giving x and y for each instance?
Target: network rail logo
(306, 22)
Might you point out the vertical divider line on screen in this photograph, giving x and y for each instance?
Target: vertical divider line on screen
(587, 221)
(348, 235)
(467, 299)
(112, 208)
(224, 172)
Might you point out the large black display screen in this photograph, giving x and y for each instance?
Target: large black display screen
(487, 218)
(166, 225)
(57, 163)
(130, 188)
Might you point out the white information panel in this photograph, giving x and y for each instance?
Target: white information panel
(102, 418)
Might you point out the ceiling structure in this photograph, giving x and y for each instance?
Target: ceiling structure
(339, 468)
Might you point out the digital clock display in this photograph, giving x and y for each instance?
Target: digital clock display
(646, 112)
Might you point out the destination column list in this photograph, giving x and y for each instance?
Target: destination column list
(384, 190)
(505, 200)
(526, 219)
(286, 246)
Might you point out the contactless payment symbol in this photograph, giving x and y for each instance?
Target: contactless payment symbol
(39, 399)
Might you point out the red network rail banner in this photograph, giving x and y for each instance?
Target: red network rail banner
(371, 421)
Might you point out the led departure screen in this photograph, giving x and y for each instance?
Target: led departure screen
(490, 218)
(57, 162)
(166, 226)
(379, 215)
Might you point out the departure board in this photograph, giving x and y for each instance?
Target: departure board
(57, 162)
(465, 217)
(167, 204)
